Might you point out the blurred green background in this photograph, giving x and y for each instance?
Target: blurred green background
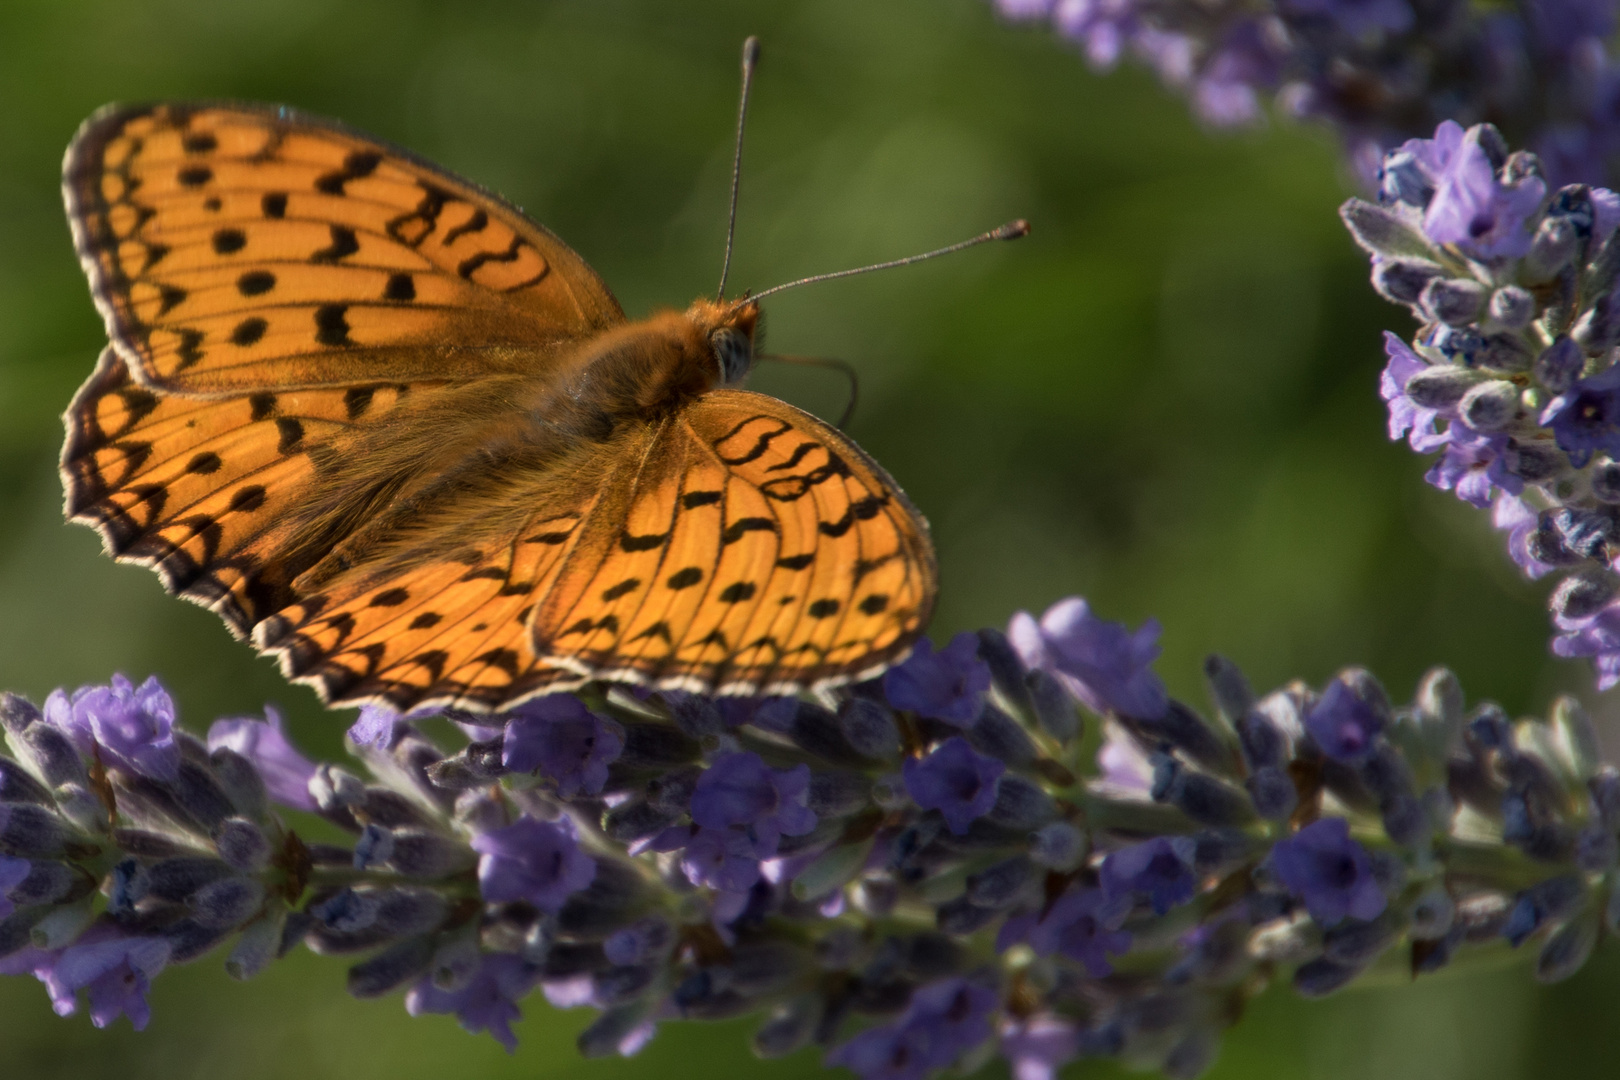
(1163, 400)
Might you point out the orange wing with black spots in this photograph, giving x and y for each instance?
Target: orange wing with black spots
(740, 546)
(234, 248)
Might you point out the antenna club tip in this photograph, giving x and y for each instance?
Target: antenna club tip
(751, 51)
(1012, 230)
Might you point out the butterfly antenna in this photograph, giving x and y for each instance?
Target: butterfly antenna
(843, 366)
(750, 59)
(1010, 231)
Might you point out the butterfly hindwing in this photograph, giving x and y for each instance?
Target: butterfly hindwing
(234, 248)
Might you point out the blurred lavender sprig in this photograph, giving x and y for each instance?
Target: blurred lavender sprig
(1376, 71)
(1511, 375)
(1018, 843)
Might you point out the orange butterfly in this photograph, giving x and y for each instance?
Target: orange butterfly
(405, 439)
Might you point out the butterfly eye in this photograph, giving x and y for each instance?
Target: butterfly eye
(735, 352)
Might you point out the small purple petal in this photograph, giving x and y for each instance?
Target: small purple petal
(956, 780)
(286, 772)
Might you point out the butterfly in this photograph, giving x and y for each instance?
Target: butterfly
(401, 437)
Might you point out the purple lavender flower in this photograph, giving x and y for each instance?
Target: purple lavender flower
(12, 873)
(487, 1002)
(1513, 516)
(568, 743)
(739, 789)
(1473, 209)
(947, 685)
(1330, 872)
(1406, 415)
(286, 772)
(1100, 662)
(1586, 417)
(377, 727)
(1160, 868)
(1083, 924)
(132, 726)
(1411, 172)
(956, 780)
(943, 1021)
(723, 859)
(1597, 636)
(1126, 770)
(537, 861)
(1037, 1047)
(1103, 27)
(114, 971)
(1473, 466)
(1343, 725)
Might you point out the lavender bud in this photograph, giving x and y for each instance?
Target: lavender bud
(32, 832)
(830, 870)
(1501, 352)
(1455, 302)
(1596, 850)
(612, 1032)
(1441, 386)
(621, 984)
(1001, 885)
(374, 847)
(18, 785)
(390, 968)
(1490, 406)
(1059, 846)
(789, 1027)
(1604, 787)
(1356, 944)
(226, 903)
(53, 756)
(1273, 793)
(1401, 281)
(1587, 533)
(1599, 326)
(480, 811)
(47, 883)
(347, 911)
(241, 782)
(455, 962)
(428, 855)
(1000, 736)
(1566, 952)
(1582, 595)
(1546, 544)
(129, 883)
(1497, 151)
(484, 757)
(61, 926)
(1559, 365)
(1577, 738)
(637, 820)
(816, 731)
(335, 789)
(1321, 977)
(1513, 307)
(1228, 688)
(1007, 673)
(695, 715)
(1021, 804)
(1432, 914)
(176, 879)
(17, 713)
(199, 796)
(1402, 179)
(1185, 730)
(1201, 797)
(656, 746)
(962, 917)
(838, 794)
(1546, 901)
(80, 806)
(869, 726)
(258, 945)
(1382, 232)
(1055, 709)
(1553, 248)
(1535, 461)
(242, 844)
(15, 929)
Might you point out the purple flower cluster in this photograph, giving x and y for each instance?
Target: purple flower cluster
(659, 856)
(1510, 375)
(1540, 68)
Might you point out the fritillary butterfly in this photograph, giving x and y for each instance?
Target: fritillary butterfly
(404, 438)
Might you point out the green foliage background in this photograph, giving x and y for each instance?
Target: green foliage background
(1163, 400)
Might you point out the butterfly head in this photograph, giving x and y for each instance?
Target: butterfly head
(729, 330)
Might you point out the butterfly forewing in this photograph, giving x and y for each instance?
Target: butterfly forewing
(234, 248)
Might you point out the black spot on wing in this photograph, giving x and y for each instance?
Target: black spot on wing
(685, 578)
(344, 243)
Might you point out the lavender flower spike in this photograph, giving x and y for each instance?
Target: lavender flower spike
(1101, 663)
